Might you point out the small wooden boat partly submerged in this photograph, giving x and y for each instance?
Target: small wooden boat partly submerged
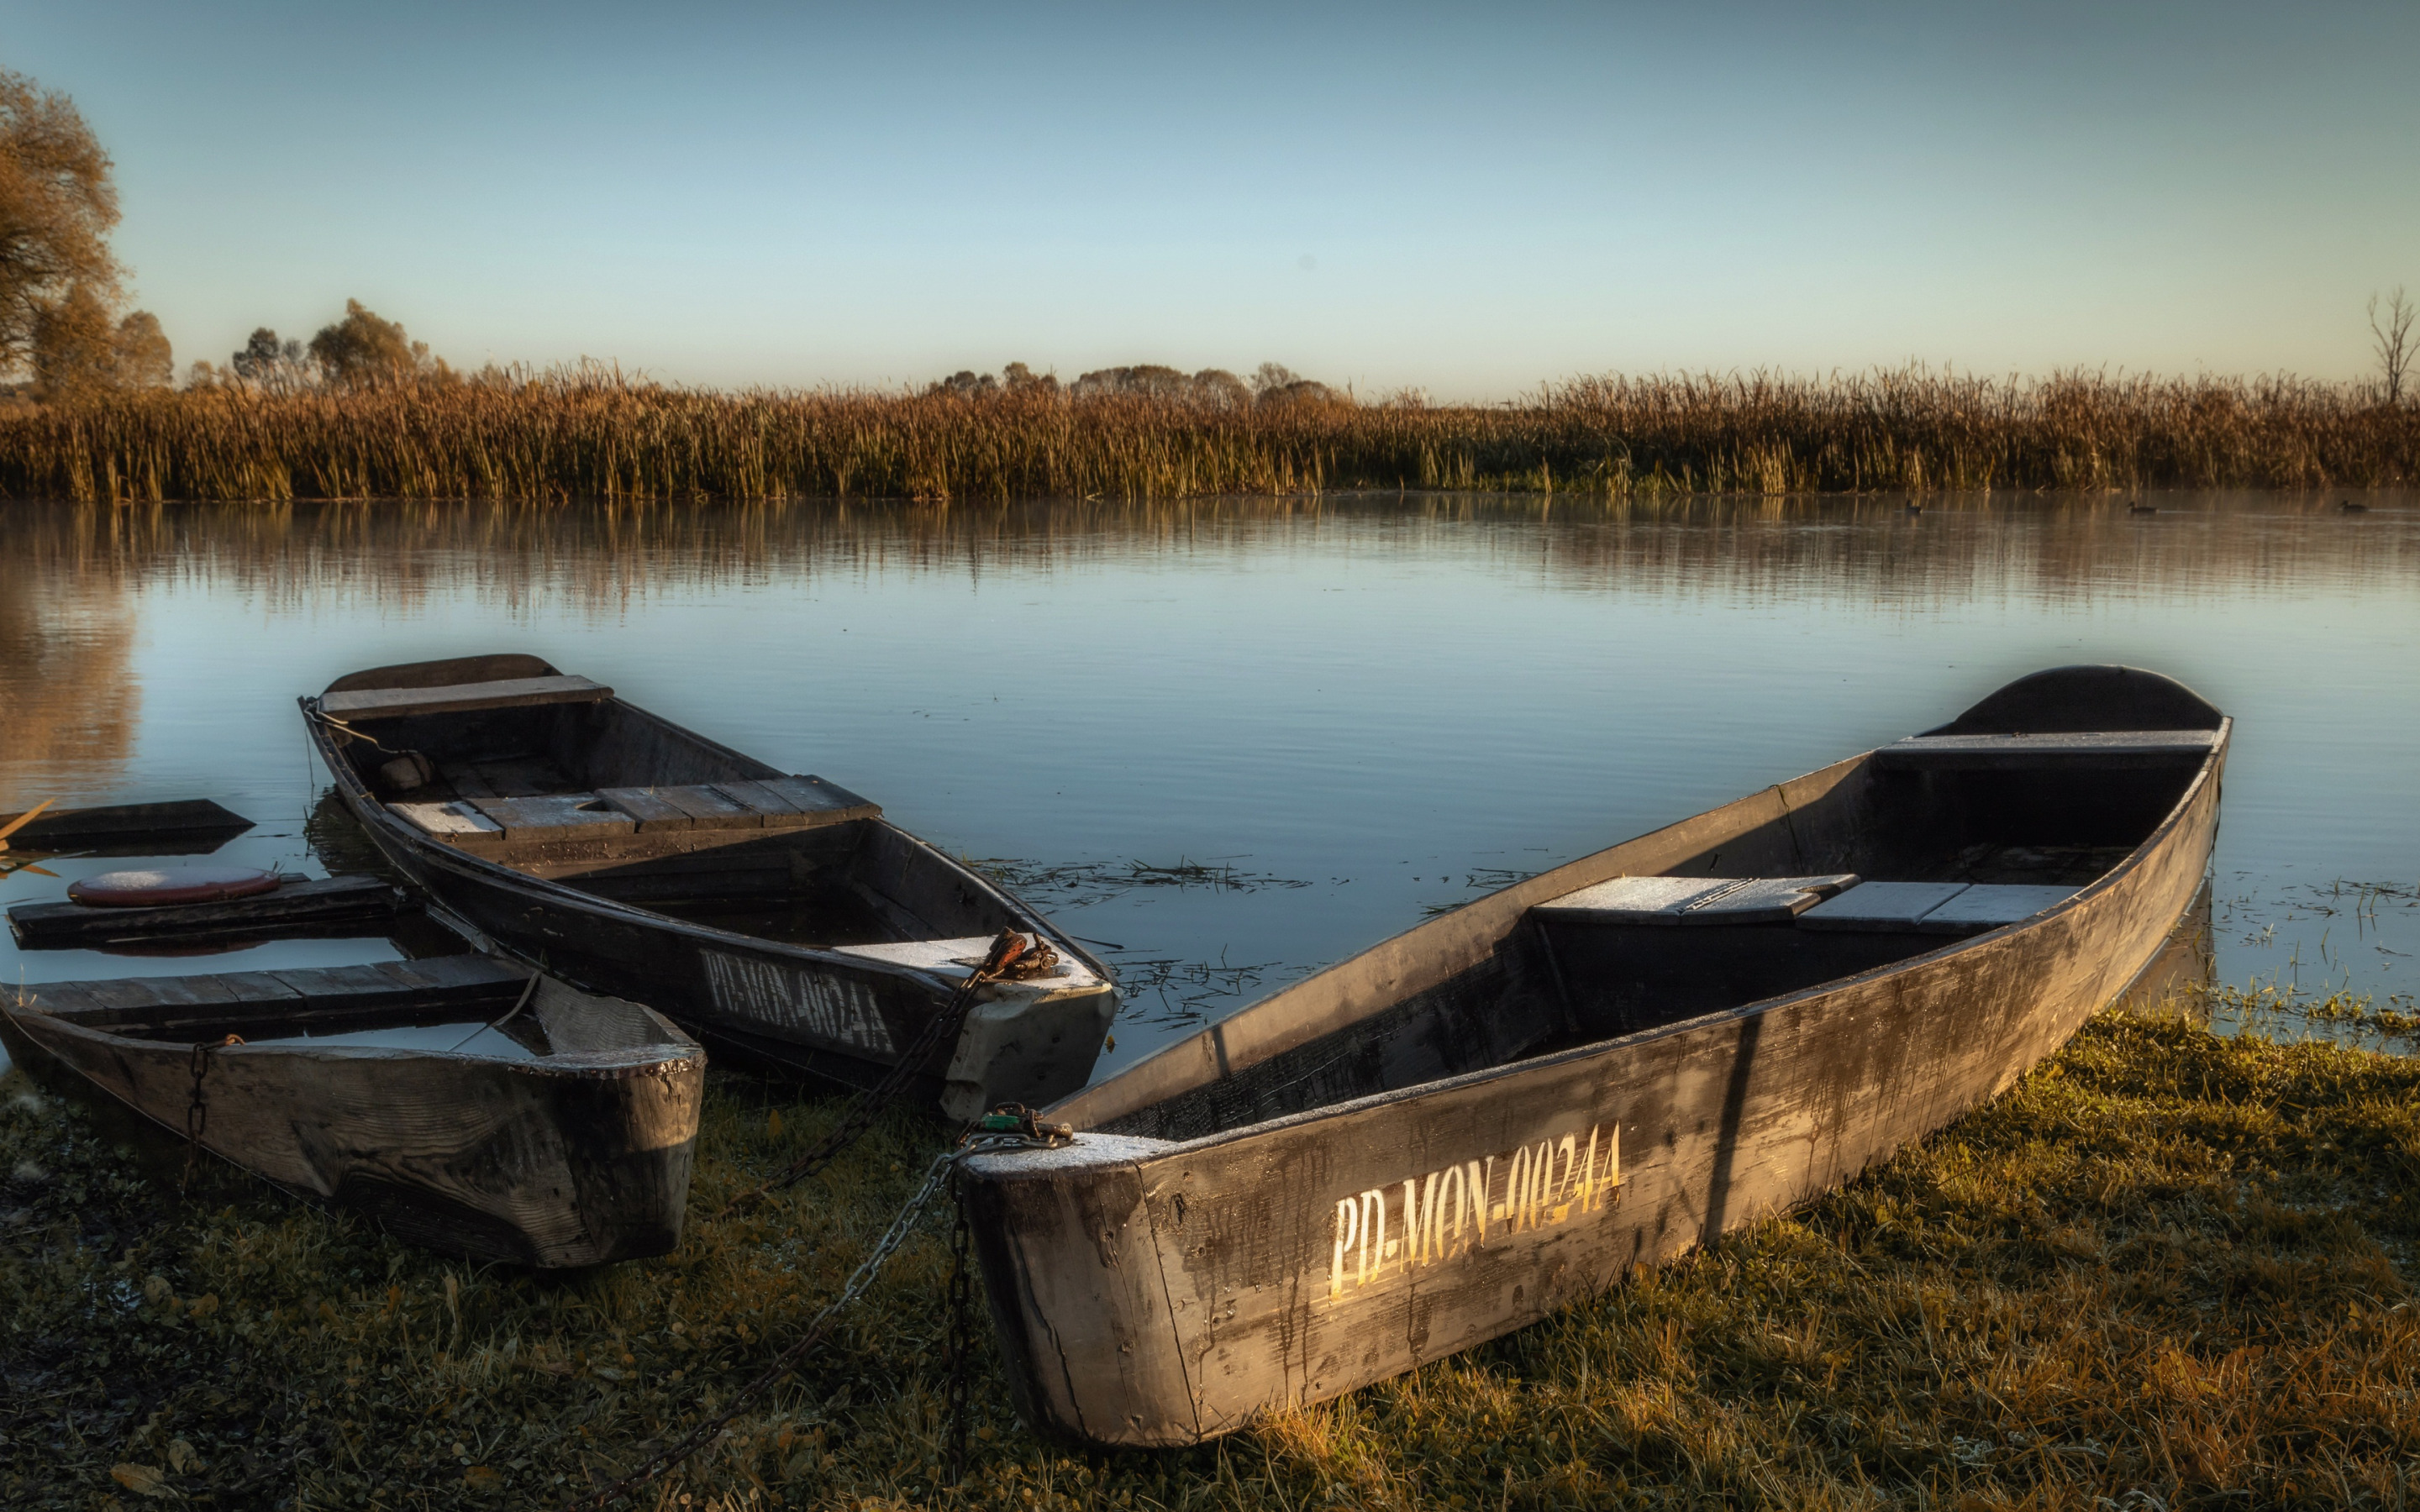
(780, 915)
(465, 1104)
(1510, 1106)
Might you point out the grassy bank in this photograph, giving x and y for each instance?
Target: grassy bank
(589, 434)
(2168, 1270)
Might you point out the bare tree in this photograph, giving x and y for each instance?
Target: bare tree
(2396, 347)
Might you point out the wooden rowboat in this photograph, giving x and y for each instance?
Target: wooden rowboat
(780, 915)
(562, 1135)
(1510, 1106)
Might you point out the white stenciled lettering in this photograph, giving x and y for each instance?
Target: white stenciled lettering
(1450, 1211)
(822, 1005)
(1348, 1228)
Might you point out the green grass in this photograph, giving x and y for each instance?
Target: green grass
(589, 433)
(2167, 1270)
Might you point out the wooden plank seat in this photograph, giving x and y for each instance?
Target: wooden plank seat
(1680, 900)
(1934, 907)
(461, 698)
(771, 803)
(455, 822)
(2094, 748)
(775, 803)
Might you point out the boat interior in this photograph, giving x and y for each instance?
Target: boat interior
(1906, 851)
(507, 760)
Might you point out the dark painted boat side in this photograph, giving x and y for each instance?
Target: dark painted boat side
(839, 1017)
(1159, 1282)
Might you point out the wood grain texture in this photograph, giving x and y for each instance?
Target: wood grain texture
(1295, 1241)
(77, 828)
(2105, 750)
(461, 698)
(576, 1158)
(557, 816)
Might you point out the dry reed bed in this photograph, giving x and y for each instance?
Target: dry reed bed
(590, 434)
(2168, 1270)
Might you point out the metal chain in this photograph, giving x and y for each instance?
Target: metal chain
(197, 1114)
(1011, 953)
(961, 1344)
(1015, 1131)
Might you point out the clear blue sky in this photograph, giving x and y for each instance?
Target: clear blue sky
(1468, 199)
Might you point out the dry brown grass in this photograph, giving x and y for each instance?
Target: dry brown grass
(2168, 1270)
(591, 433)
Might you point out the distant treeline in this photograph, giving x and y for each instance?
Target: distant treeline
(1157, 433)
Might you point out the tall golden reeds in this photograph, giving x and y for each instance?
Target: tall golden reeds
(590, 433)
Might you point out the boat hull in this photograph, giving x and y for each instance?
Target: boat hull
(571, 1160)
(1158, 1293)
(803, 1010)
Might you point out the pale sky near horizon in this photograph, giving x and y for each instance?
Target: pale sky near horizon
(1469, 200)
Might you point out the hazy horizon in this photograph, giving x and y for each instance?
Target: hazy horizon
(1467, 204)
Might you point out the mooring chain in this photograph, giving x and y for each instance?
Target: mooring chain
(1011, 955)
(960, 1342)
(197, 1110)
(1012, 1128)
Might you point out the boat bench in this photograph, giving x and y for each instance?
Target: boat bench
(1670, 901)
(460, 697)
(1841, 903)
(2085, 748)
(775, 803)
(1934, 907)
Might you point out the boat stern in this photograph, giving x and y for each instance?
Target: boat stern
(1029, 1042)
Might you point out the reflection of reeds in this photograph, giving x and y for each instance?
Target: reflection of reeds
(590, 433)
(67, 704)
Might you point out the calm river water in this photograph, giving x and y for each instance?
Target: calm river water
(1315, 720)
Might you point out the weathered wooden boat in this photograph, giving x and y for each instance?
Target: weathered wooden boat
(465, 1104)
(1512, 1105)
(780, 915)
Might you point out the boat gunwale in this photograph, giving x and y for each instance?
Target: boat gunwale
(1004, 1164)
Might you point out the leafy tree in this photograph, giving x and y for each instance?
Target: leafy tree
(1272, 376)
(966, 384)
(266, 362)
(1221, 389)
(80, 352)
(1019, 379)
(362, 350)
(145, 359)
(71, 351)
(57, 207)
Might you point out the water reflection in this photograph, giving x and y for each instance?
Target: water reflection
(68, 700)
(1384, 704)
